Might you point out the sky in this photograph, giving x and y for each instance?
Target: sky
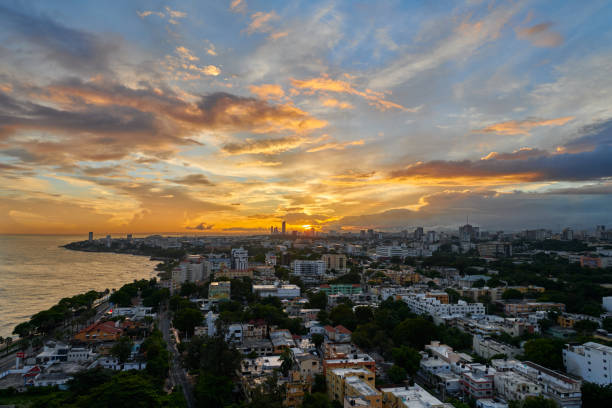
(227, 117)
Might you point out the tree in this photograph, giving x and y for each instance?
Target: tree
(122, 349)
(23, 329)
(586, 326)
(186, 320)
(407, 358)
(512, 294)
(8, 341)
(607, 324)
(188, 289)
(286, 361)
(317, 300)
(319, 384)
(595, 396)
(364, 314)
(343, 314)
(212, 354)
(316, 400)
(212, 390)
(414, 332)
(396, 374)
(546, 352)
(317, 339)
(534, 402)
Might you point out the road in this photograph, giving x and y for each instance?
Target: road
(8, 362)
(177, 375)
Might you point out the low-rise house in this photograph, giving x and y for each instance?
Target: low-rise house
(99, 331)
(338, 334)
(512, 386)
(352, 361)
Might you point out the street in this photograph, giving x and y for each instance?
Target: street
(177, 373)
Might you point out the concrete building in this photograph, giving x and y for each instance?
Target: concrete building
(512, 386)
(240, 259)
(410, 397)
(421, 304)
(219, 290)
(336, 262)
(279, 290)
(353, 383)
(591, 361)
(311, 272)
(341, 288)
(495, 249)
(486, 348)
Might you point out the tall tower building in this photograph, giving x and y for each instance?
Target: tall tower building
(284, 227)
(90, 236)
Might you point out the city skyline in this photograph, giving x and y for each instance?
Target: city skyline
(230, 117)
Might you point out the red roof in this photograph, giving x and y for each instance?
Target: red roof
(328, 328)
(108, 327)
(341, 329)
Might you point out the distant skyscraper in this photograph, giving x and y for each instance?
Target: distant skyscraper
(271, 230)
(90, 236)
(109, 241)
(284, 227)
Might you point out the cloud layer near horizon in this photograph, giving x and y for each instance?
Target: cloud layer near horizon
(230, 119)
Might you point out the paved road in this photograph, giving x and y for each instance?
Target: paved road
(177, 373)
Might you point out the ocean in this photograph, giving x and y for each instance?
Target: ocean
(35, 273)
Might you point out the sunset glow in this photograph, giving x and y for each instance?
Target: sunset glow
(215, 119)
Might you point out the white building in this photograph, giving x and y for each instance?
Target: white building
(410, 397)
(487, 348)
(240, 259)
(420, 304)
(591, 361)
(282, 291)
(193, 268)
(308, 271)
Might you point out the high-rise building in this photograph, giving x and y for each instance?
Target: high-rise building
(90, 236)
(109, 241)
(284, 227)
(271, 230)
(336, 262)
(418, 234)
(567, 234)
(240, 259)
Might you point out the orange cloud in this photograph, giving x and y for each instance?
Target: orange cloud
(326, 84)
(280, 34)
(267, 91)
(522, 127)
(334, 103)
(540, 35)
(260, 22)
(335, 146)
(238, 6)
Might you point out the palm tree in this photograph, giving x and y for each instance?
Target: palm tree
(8, 342)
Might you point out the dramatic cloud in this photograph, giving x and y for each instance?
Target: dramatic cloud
(540, 35)
(522, 127)
(70, 48)
(238, 6)
(267, 91)
(326, 84)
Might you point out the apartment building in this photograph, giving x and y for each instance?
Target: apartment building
(591, 361)
(413, 396)
(336, 262)
(486, 348)
(311, 272)
(353, 383)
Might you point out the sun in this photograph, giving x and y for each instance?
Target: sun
(306, 227)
